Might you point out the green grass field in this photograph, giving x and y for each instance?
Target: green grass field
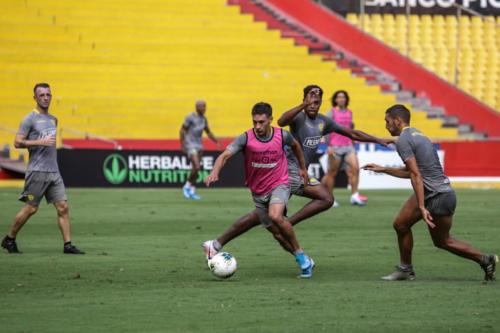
(144, 270)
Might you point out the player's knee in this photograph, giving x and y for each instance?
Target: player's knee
(276, 218)
(440, 243)
(31, 210)
(62, 208)
(400, 228)
(328, 201)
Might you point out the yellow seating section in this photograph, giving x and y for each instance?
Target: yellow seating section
(433, 41)
(134, 69)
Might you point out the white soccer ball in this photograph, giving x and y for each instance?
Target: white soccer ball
(223, 265)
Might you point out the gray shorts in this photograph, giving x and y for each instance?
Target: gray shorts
(297, 183)
(279, 195)
(341, 152)
(193, 150)
(39, 184)
(442, 204)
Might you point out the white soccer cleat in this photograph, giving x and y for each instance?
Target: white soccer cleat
(356, 200)
(209, 249)
(400, 275)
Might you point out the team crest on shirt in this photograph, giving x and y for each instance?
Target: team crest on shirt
(321, 125)
(53, 122)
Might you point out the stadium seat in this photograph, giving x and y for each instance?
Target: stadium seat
(433, 43)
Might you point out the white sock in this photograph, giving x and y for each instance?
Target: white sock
(355, 195)
(188, 184)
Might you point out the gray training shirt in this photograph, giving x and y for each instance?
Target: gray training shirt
(308, 133)
(240, 142)
(412, 143)
(36, 126)
(195, 125)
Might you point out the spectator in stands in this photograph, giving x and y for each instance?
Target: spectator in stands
(191, 132)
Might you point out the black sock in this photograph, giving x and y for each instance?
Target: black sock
(67, 244)
(10, 238)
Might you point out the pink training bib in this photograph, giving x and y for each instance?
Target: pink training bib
(265, 162)
(343, 118)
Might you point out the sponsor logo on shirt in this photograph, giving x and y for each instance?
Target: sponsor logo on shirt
(311, 142)
(264, 165)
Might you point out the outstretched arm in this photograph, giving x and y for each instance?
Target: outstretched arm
(396, 172)
(212, 137)
(361, 136)
(219, 164)
(21, 142)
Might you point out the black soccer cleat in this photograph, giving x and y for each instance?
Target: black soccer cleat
(10, 245)
(489, 267)
(71, 249)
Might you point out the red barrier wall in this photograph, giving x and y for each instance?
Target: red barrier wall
(412, 76)
(472, 159)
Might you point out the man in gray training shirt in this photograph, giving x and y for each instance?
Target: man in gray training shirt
(434, 200)
(37, 133)
(191, 132)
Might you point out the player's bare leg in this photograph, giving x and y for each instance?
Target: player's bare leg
(239, 227)
(406, 218)
(322, 200)
(9, 241)
(62, 209)
(189, 188)
(442, 239)
(286, 229)
(284, 226)
(195, 167)
(333, 168)
(352, 162)
(21, 218)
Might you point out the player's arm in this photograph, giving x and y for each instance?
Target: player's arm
(287, 118)
(402, 172)
(182, 135)
(21, 142)
(361, 136)
(212, 137)
(218, 165)
(418, 186)
(297, 150)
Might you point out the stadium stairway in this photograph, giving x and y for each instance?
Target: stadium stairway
(129, 70)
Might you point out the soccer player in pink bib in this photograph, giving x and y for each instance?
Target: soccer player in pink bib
(266, 175)
(341, 151)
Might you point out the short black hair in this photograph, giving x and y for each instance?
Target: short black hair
(40, 85)
(310, 87)
(399, 111)
(335, 94)
(262, 108)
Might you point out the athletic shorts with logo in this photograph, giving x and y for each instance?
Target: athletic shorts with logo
(442, 204)
(279, 195)
(39, 184)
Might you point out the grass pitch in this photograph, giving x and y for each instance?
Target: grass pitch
(144, 270)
